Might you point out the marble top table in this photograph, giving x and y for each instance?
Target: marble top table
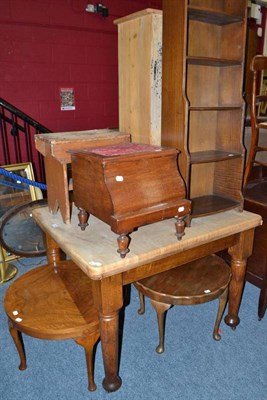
(154, 249)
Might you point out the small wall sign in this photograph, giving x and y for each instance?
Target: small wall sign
(67, 99)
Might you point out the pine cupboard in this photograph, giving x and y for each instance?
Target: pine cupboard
(140, 75)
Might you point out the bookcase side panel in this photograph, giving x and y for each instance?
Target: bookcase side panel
(174, 102)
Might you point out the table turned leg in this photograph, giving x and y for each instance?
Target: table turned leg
(108, 299)
(239, 254)
(53, 252)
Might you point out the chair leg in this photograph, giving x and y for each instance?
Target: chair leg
(88, 343)
(142, 303)
(262, 303)
(160, 309)
(17, 338)
(221, 308)
(251, 154)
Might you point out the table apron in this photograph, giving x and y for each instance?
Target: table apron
(174, 260)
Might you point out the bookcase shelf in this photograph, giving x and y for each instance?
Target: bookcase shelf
(211, 16)
(202, 99)
(199, 157)
(212, 61)
(212, 204)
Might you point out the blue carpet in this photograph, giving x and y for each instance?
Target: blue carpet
(193, 367)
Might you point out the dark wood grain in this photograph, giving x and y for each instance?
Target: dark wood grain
(202, 101)
(128, 191)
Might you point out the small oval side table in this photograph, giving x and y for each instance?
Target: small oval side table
(54, 302)
(197, 282)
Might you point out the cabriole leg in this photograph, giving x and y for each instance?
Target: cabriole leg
(142, 303)
(88, 344)
(221, 308)
(161, 309)
(17, 337)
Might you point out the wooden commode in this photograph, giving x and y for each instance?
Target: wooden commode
(54, 147)
(128, 186)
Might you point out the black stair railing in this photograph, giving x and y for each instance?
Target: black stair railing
(17, 131)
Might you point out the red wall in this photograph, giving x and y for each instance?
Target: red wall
(51, 44)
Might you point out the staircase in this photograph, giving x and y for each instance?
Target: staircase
(17, 131)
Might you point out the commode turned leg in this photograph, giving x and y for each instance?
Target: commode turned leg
(83, 217)
(123, 243)
(180, 227)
